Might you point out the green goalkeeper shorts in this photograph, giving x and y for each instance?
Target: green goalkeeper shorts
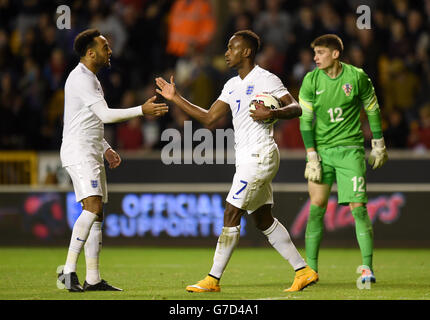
(347, 167)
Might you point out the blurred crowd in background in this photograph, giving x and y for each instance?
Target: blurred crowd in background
(187, 38)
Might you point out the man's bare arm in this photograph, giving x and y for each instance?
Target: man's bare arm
(207, 117)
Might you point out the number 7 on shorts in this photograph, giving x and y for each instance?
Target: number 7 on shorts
(245, 183)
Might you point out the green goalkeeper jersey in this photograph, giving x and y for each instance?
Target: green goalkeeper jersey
(335, 105)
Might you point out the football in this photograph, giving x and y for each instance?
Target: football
(268, 100)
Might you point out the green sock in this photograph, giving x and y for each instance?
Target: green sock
(313, 235)
(364, 233)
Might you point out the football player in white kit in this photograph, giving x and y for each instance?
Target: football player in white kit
(83, 151)
(257, 157)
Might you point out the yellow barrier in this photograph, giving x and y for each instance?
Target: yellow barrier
(18, 167)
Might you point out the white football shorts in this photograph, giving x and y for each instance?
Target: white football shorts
(89, 179)
(252, 182)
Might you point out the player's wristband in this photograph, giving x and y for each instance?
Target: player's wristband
(377, 135)
(308, 139)
(375, 124)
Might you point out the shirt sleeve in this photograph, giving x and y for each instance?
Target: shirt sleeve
(279, 90)
(306, 98)
(307, 92)
(89, 90)
(108, 115)
(225, 93)
(370, 104)
(366, 91)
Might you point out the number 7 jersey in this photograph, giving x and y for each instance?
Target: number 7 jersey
(336, 104)
(251, 136)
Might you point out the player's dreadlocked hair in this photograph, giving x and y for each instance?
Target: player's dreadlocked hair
(330, 41)
(84, 41)
(251, 39)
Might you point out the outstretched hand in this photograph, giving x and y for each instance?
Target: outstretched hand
(154, 109)
(168, 90)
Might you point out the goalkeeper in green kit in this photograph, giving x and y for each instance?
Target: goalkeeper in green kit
(333, 94)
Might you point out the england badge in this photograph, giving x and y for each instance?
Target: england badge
(249, 89)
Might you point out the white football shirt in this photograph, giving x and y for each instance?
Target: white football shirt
(83, 131)
(251, 136)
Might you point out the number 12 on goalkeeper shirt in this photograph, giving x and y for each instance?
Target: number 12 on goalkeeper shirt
(335, 114)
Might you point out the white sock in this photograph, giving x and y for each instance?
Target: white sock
(92, 248)
(279, 238)
(81, 229)
(227, 241)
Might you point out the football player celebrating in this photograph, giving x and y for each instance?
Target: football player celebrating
(257, 157)
(83, 151)
(334, 93)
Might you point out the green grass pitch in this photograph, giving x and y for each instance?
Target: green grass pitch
(253, 273)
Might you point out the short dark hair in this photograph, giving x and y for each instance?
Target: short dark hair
(331, 41)
(84, 41)
(251, 39)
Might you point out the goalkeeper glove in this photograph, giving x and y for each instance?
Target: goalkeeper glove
(313, 167)
(378, 156)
